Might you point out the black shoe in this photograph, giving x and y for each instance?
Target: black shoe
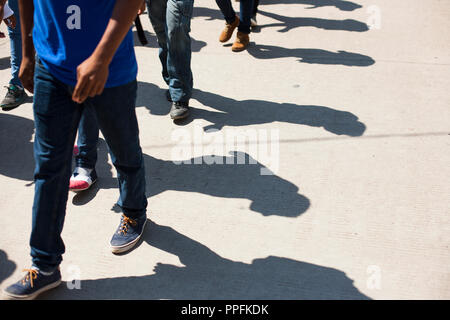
(168, 97)
(179, 110)
(32, 284)
(14, 97)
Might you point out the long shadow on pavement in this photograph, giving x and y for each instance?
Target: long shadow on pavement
(235, 113)
(269, 194)
(339, 4)
(206, 275)
(311, 56)
(290, 23)
(226, 178)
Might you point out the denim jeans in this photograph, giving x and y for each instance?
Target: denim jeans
(87, 139)
(171, 21)
(245, 13)
(255, 7)
(56, 121)
(15, 39)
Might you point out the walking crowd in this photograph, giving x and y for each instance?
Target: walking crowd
(82, 74)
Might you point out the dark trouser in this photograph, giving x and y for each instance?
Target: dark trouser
(87, 139)
(255, 7)
(15, 41)
(56, 120)
(171, 21)
(245, 13)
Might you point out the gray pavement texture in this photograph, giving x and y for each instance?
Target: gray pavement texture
(356, 93)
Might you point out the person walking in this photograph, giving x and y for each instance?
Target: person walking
(15, 94)
(232, 21)
(85, 58)
(85, 151)
(171, 21)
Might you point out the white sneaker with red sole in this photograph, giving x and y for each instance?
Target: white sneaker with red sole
(82, 179)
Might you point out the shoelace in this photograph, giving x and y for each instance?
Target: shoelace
(32, 275)
(10, 90)
(125, 223)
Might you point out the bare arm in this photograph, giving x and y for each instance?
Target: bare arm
(26, 73)
(92, 74)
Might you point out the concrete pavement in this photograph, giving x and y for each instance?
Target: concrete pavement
(346, 103)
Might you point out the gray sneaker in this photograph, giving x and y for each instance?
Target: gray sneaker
(14, 97)
(179, 110)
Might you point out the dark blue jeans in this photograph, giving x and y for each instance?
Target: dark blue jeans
(171, 21)
(87, 139)
(245, 13)
(56, 121)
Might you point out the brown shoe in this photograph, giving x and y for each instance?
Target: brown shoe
(228, 31)
(241, 43)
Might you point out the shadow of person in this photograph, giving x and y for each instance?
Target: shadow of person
(17, 160)
(5, 63)
(7, 267)
(226, 178)
(312, 56)
(339, 4)
(249, 112)
(207, 276)
(237, 176)
(208, 13)
(289, 23)
(153, 98)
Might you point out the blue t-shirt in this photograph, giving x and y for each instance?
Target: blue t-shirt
(66, 32)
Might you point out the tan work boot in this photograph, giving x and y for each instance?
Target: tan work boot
(228, 31)
(241, 43)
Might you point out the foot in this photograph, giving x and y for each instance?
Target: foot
(241, 43)
(228, 31)
(179, 110)
(128, 233)
(82, 179)
(14, 97)
(32, 284)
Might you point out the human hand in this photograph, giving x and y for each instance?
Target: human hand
(26, 73)
(92, 75)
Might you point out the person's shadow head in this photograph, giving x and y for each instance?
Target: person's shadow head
(7, 267)
(237, 176)
(206, 275)
(17, 160)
